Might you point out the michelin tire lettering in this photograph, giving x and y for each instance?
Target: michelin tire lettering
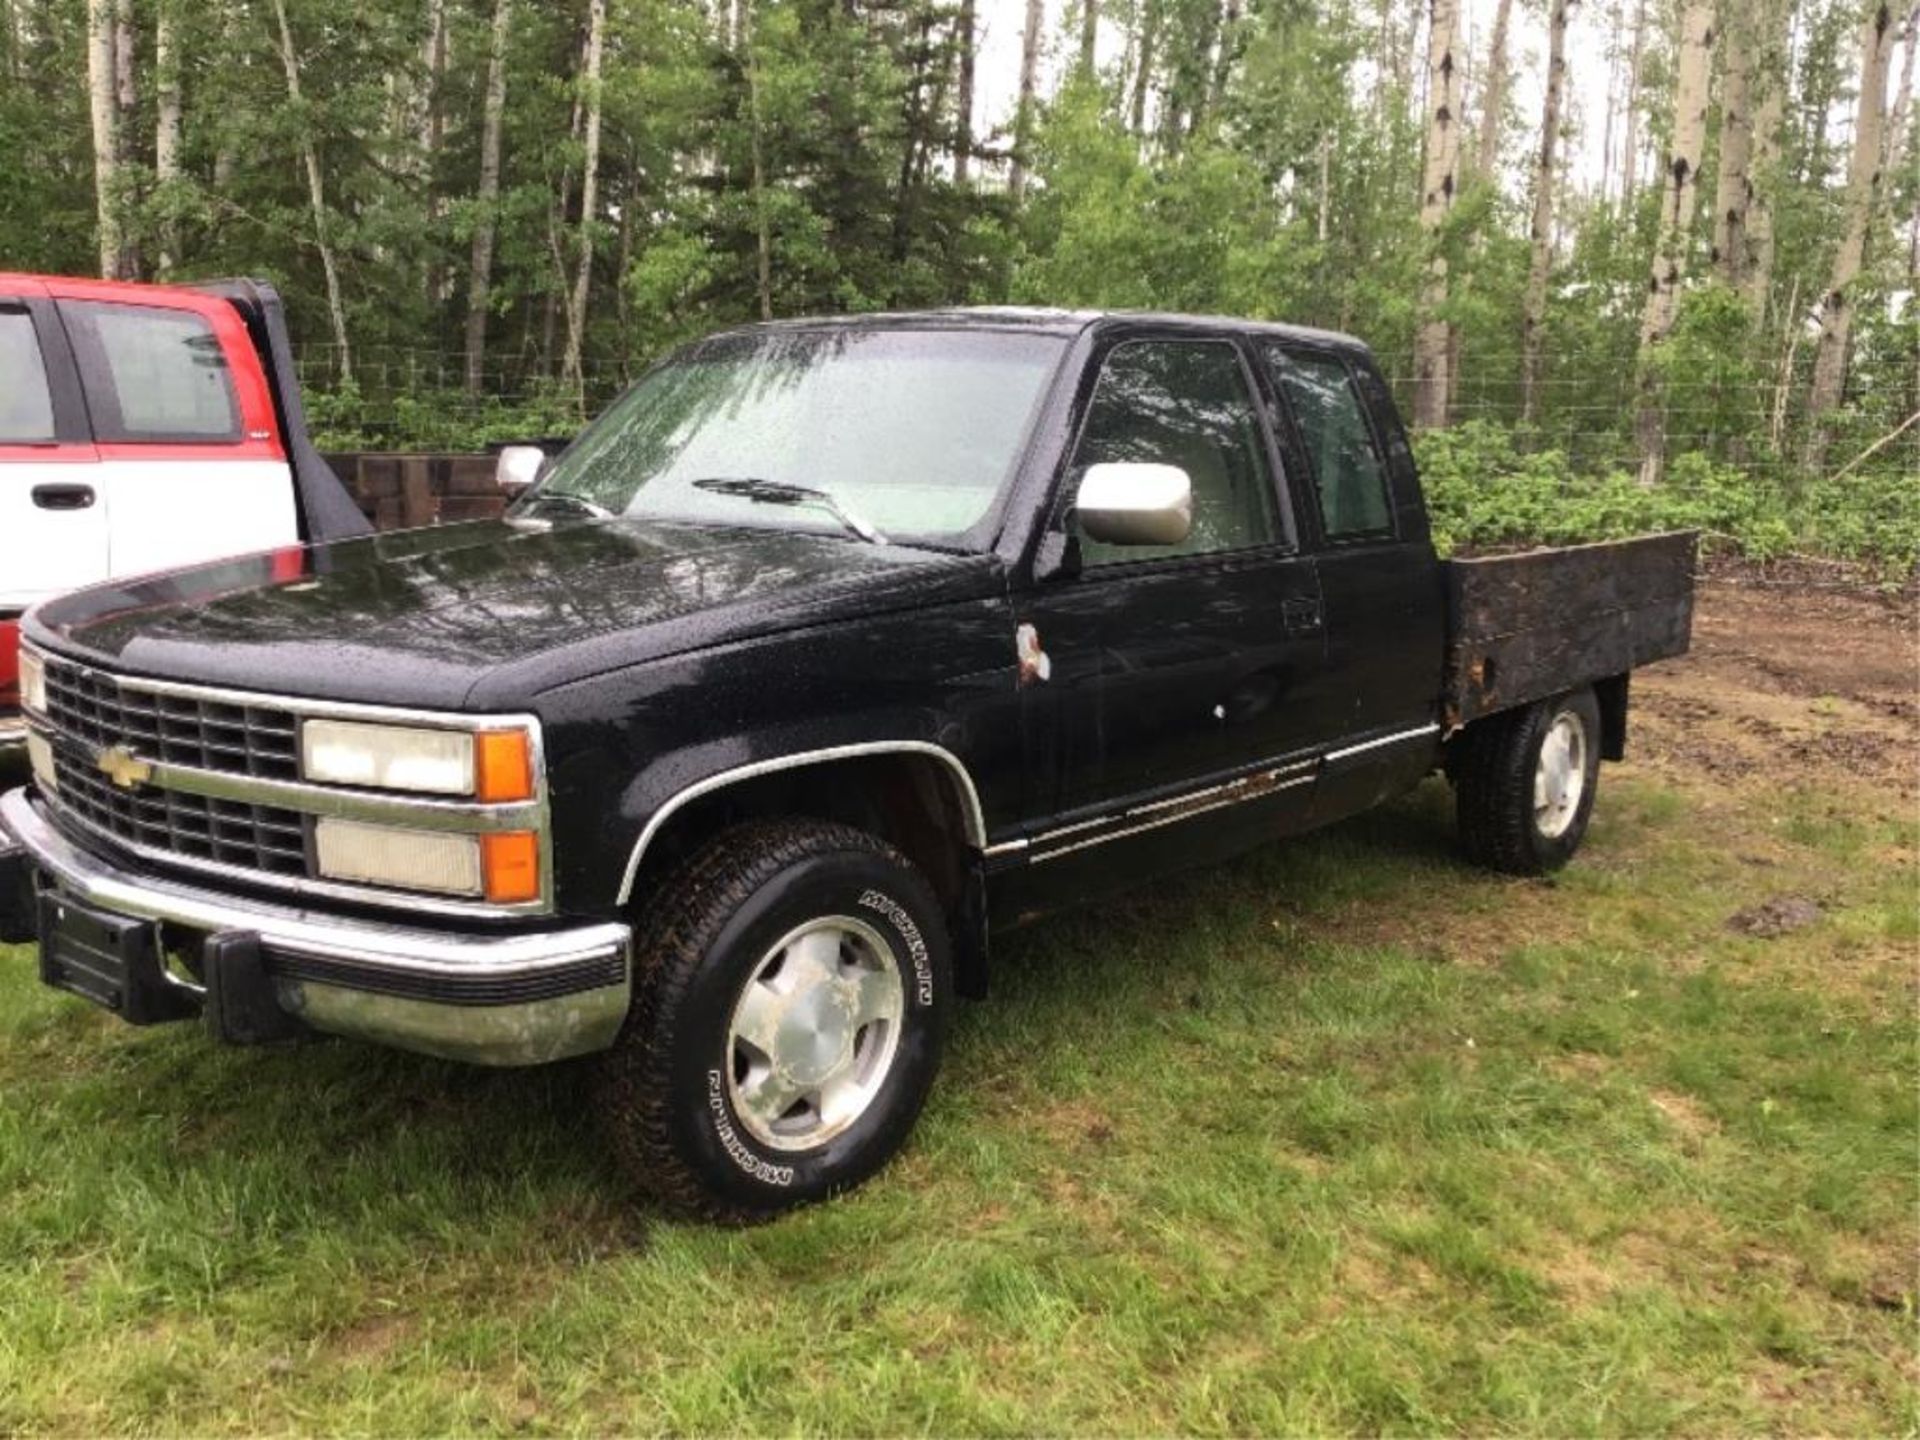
(731, 1142)
(916, 943)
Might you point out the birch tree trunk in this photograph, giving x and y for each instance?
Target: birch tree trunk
(1863, 189)
(1493, 98)
(316, 195)
(1679, 195)
(106, 134)
(1023, 113)
(166, 129)
(963, 101)
(16, 40)
(1229, 52)
(763, 233)
(1143, 69)
(1630, 145)
(125, 98)
(1089, 33)
(1899, 118)
(124, 95)
(431, 124)
(1534, 307)
(1733, 186)
(480, 272)
(1432, 372)
(589, 195)
(1767, 95)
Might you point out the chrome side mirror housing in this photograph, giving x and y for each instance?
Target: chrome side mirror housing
(518, 466)
(1135, 502)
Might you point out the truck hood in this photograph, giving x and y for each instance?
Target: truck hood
(487, 615)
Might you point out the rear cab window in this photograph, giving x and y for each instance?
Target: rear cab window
(152, 374)
(1351, 490)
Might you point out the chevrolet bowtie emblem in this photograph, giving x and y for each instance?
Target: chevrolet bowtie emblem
(123, 767)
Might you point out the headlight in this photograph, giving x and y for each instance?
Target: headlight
(502, 866)
(33, 682)
(490, 765)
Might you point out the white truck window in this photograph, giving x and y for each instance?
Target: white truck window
(152, 374)
(26, 405)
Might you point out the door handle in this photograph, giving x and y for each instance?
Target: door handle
(63, 497)
(1301, 617)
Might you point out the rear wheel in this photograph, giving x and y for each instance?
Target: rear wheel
(790, 994)
(1525, 783)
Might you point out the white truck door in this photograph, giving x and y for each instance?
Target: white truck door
(53, 516)
(191, 460)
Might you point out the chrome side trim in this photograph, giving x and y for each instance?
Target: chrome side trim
(1246, 787)
(1399, 737)
(970, 796)
(1187, 812)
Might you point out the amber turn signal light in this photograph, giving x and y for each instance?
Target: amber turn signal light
(510, 866)
(502, 766)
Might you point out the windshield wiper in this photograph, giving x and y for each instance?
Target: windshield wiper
(568, 499)
(779, 492)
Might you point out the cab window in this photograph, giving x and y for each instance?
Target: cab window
(1183, 403)
(152, 374)
(26, 402)
(1350, 478)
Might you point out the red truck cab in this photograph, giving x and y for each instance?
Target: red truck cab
(143, 428)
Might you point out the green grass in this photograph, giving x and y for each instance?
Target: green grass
(1342, 1136)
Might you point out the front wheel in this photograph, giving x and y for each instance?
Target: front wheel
(1525, 783)
(790, 1001)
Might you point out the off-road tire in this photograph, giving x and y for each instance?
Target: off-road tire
(663, 1098)
(1493, 777)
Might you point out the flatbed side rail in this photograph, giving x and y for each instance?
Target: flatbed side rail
(1525, 626)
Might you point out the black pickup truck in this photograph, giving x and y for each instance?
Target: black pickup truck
(831, 649)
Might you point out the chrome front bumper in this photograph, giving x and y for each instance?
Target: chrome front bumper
(511, 999)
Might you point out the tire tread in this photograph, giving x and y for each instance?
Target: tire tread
(672, 934)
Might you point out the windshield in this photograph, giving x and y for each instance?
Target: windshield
(910, 432)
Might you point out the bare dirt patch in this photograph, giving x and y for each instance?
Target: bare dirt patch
(1793, 685)
(1780, 916)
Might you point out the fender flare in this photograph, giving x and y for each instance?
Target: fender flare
(968, 793)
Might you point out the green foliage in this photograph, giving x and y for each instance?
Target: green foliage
(1486, 490)
(341, 418)
(1272, 172)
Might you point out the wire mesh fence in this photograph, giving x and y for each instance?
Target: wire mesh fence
(418, 398)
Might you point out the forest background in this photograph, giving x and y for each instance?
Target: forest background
(1629, 263)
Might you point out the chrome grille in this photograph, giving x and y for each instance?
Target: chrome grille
(92, 711)
(102, 710)
(255, 837)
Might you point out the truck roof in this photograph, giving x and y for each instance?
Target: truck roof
(1051, 321)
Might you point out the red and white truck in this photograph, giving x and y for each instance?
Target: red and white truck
(143, 428)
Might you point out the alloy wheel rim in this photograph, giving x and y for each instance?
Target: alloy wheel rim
(814, 1033)
(1560, 775)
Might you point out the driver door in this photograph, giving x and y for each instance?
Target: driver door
(1181, 679)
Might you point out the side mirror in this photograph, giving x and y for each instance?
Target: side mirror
(518, 467)
(1134, 502)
